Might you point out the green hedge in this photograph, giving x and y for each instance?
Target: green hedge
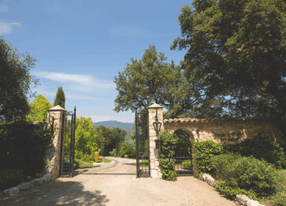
(10, 177)
(167, 161)
(23, 146)
(204, 151)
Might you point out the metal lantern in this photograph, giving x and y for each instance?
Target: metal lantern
(157, 124)
(43, 125)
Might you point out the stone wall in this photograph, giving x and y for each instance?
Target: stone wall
(228, 131)
(54, 151)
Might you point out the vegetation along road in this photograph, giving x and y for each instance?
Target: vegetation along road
(115, 183)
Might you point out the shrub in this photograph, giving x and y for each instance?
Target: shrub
(261, 147)
(187, 164)
(204, 151)
(125, 156)
(249, 174)
(167, 162)
(10, 177)
(113, 152)
(220, 164)
(126, 149)
(23, 146)
(280, 196)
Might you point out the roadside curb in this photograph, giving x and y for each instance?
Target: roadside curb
(25, 185)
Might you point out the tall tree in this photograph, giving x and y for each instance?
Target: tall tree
(15, 81)
(60, 98)
(38, 108)
(236, 53)
(151, 80)
(85, 138)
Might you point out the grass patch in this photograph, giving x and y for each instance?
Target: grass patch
(80, 164)
(103, 160)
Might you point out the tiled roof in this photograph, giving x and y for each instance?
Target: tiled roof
(208, 120)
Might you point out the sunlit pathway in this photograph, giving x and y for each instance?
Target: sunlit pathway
(115, 183)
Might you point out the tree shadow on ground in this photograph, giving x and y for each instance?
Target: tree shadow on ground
(57, 192)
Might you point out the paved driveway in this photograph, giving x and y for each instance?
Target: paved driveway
(115, 184)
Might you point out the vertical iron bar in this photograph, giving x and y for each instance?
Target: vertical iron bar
(74, 135)
(148, 142)
(137, 144)
(70, 145)
(61, 149)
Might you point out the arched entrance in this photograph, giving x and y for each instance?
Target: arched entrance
(183, 154)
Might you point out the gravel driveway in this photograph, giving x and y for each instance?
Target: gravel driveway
(115, 184)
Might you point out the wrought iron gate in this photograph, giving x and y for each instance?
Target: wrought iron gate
(67, 144)
(142, 144)
(183, 154)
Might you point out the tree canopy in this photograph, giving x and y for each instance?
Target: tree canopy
(60, 98)
(15, 80)
(151, 80)
(38, 108)
(236, 56)
(85, 138)
(107, 139)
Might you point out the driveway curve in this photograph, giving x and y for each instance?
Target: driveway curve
(115, 183)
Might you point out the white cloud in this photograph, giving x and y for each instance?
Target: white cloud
(4, 8)
(62, 77)
(82, 80)
(78, 83)
(7, 28)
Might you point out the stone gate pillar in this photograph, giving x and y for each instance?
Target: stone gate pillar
(154, 153)
(54, 151)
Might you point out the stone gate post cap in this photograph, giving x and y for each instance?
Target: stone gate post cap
(57, 108)
(154, 106)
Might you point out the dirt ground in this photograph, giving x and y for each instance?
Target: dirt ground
(115, 183)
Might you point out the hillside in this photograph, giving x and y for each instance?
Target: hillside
(111, 123)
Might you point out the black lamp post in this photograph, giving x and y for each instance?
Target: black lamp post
(157, 124)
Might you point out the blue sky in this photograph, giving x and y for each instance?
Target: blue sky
(82, 45)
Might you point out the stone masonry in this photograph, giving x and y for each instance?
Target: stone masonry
(54, 151)
(154, 153)
(228, 131)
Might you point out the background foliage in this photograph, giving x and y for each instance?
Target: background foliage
(15, 81)
(38, 109)
(235, 57)
(60, 98)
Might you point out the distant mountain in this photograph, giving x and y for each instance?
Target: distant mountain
(121, 125)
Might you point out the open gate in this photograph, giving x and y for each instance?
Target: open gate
(67, 144)
(142, 144)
